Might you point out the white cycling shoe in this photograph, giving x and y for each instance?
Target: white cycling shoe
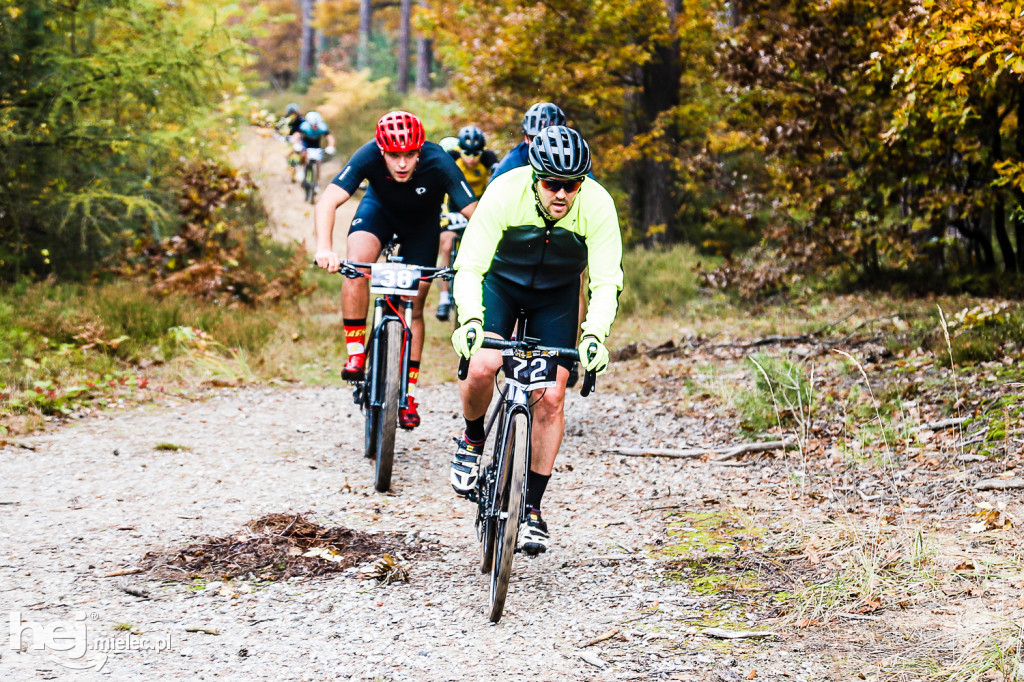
(533, 534)
(465, 468)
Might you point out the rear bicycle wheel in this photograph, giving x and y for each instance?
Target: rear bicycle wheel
(517, 438)
(390, 371)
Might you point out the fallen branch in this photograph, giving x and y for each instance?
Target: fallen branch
(123, 571)
(727, 452)
(205, 631)
(941, 424)
(722, 633)
(600, 638)
(1000, 484)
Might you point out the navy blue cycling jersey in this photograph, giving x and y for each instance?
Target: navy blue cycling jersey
(435, 176)
(516, 157)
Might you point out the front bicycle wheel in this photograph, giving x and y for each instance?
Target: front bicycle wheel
(307, 181)
(314, 182)
(488, 524)
(517, 438)
(389, 371)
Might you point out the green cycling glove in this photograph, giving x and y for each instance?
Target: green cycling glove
(460, 338)
(593, 354)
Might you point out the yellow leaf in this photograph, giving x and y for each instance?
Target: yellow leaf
(955, 76)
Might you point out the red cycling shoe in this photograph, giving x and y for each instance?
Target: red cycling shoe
(409, 418)
(355, 368)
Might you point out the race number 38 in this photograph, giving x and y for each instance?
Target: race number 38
(530, 369)
(394, 278)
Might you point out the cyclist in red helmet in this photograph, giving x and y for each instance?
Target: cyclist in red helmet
(408, 179)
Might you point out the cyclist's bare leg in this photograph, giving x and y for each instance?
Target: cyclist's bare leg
(361, 247)
(478, 385)
(417, 322)
(548, 426)
(444, 255)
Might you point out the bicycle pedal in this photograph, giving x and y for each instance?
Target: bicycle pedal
(471, 496)
(357, 394)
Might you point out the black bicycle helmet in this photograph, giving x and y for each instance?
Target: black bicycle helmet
(560, 152)
(471, 140)
(540, 116)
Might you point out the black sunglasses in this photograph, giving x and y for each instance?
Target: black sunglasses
(465, 153)
(554, 184)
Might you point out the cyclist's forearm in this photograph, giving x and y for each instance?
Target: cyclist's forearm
(467, 288)
(604, 305)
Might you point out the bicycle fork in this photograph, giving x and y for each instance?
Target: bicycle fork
(497, 471)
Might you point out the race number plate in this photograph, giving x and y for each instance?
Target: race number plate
(394, 278)
(530, 369)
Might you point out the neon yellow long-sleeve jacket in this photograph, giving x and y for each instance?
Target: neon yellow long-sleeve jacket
(508, 238)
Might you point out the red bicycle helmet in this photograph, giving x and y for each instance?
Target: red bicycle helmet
(399, 131)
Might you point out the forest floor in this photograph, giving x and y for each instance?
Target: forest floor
(882, 543)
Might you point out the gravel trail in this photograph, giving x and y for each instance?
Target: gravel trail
(95, 496)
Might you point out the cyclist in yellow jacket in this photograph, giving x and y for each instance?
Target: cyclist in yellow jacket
(534, 231)
(476, 163)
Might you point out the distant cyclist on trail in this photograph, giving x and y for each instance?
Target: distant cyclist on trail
(314, 134)
(408, 179)
(536, 229)
(476, 163)
(537, 118)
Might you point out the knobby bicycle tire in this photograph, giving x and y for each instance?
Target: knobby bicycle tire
(309, 181)
(370, 413)
(390, 371)
(517, 436)
(488, 525)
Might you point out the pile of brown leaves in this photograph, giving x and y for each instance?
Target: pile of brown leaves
(273, 547)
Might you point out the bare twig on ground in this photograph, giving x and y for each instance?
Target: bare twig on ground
(728, 452)
(205, 631)
(941, 424)
(123, 571)
(722, 633)
(1000, 484)
(600, 638)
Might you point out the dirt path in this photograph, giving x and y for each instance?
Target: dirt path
(290, 217)
(620, 596)
(94, 497)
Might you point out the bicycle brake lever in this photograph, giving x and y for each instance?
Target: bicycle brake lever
(589, 383)
(464, 362)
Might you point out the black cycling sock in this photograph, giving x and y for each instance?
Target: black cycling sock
(475, 434)
(536, 484)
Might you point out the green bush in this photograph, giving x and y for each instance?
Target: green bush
(658, 282)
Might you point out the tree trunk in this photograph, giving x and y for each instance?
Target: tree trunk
(404, 41)
(424, 64)
(998, 209)
(651, 192)
(365, 27)
(307, 48)
(1018, 218)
